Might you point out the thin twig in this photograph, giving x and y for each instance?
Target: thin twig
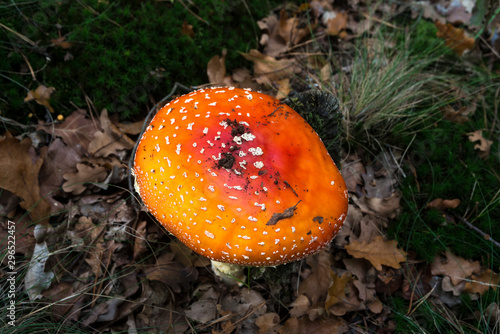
(484, 235)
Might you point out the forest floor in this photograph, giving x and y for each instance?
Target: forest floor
(419, 92)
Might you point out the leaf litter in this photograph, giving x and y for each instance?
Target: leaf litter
(104, 263)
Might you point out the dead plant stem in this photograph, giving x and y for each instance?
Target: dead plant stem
(484, 235)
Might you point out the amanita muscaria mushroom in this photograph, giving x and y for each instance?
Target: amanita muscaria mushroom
(240, 178)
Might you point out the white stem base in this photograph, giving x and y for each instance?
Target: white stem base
(230, 274)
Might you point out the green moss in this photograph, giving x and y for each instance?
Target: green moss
(447, 166)
(120, 48)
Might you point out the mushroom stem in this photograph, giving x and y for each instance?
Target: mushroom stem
(228, 273)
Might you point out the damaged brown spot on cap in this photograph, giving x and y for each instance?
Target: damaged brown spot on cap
(226, 161)
(318, 219)
(288, 213)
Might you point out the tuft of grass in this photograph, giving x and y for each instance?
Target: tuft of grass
(391, 88)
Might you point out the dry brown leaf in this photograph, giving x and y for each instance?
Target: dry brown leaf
(350, 303)
(204, 309)
(316, 285)
(454, 266)
(304, 325)
(299, 306)
(58, 159)
(361, 269)
(268, 322)
(484, 144)
(389, 281)
(86, 232)
(492, 313)
(131, 128)
(455, 38)
(157, 309)
(482, 282)
(41, 95)
(93, 235)
(274, 45)
(291, 30)
(76, 131)
(352, 170)
(284, 89)
(216, 68)
(458, 14)
(268, 70)
(109, 141)
(378, 252)
(75, 182)
(140, 241)
(336, 22)
(239, 304)
(336, 292)
(369, 228)
(443, 204)
(447, 286)
(170, 272)
(351, 226)
(381, 207)
(61, 42)
(20, 168)
(183, 253)
(381, 186)
(365, 294)
(187, 29)
(64, 291)
(458, 114)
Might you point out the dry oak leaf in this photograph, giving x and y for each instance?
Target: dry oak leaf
(58, 159)
(378, 252)
(170, 272)
(41, 95)
(76, 130)
(204, 309)
(131, 128)
(216, 68)
(454, 266)
(274, 44)
(289, 29)
(458, 113)
(483, 146)
(380, 207)
(300, 306)
(443, 204)
(284, 89)
(304, 325)
(61, 42)
(335, 22)
(75, 182)
(316, 285)
(268, 70)
(109, 141)
(91, 234)
(492, 313)
(268, 322)
(336, 292)
(454, 38)
(482, 282)
(187, 29)
(19, 171)
(350, 303)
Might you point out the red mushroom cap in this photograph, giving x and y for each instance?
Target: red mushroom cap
(240, 177)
